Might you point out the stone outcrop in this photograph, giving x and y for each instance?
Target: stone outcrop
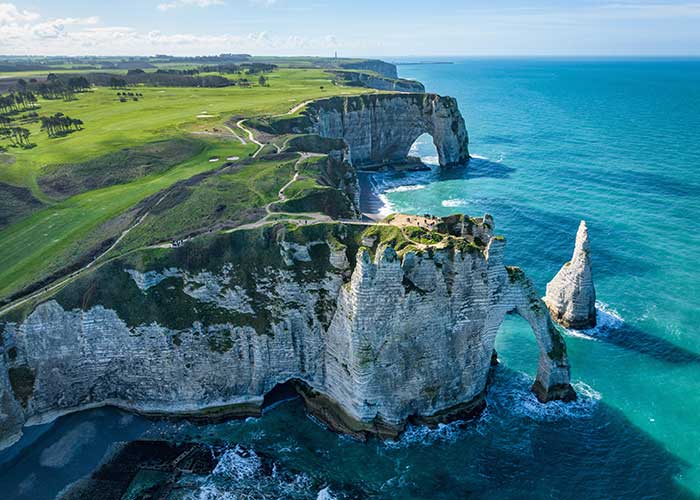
(372, 336)
(381, 67)
(380, 129)
(571, 294)
(369, 80)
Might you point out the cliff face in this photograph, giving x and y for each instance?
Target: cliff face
(383, 68)
(380, 82)
(571, 294)
(381, 128)
(371, 331)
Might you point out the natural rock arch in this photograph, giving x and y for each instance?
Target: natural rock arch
(520, 297)
(552, 381)
(381, 128)
(408, 338)
(420, 147)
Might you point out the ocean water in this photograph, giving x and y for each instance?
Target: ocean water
(614, 142)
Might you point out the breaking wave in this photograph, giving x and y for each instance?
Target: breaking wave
(426, 436)
(401, 189)
(242, 473)
(509, 395)
(456, 202)
(607, 319)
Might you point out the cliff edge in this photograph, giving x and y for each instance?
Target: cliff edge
(375, 325)
(379, 129)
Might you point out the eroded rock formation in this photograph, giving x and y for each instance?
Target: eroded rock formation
(373, 330)
(372, 81)
(381, 128)
(571, 294)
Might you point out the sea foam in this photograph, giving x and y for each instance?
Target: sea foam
(607, 320)
(456, 202)
(402, 189)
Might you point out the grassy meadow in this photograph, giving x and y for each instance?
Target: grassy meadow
(55, 236)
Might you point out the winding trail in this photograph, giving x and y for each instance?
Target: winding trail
(305, 218)
(251, 137)
(297, 107)
(78, 272)
(241, 139)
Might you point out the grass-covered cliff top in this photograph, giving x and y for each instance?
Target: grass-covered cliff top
(112, 170)
(425, 234)
(238, 259)
(68, 196)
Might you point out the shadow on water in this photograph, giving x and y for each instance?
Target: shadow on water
(634, 339)
(476, 168)
(516, 449)
(498, 139)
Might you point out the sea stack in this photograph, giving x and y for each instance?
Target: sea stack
(571, 294)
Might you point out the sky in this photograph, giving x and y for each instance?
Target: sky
(380, 28)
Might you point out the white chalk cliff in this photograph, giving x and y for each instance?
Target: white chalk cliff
(381, 128)
(571, 294)
(371, 332)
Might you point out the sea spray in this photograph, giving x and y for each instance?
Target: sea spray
(607, 320)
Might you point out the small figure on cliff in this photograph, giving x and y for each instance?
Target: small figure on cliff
(571, 294)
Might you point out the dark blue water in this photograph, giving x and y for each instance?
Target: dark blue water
(612, 142)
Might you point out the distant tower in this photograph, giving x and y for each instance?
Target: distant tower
(336, 54)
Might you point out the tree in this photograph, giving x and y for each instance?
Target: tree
(19, 136)
(60, 124)
(262, 80)
(17, 101)
(79, 84)
(117, 83)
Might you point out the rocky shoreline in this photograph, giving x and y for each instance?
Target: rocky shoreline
(376, 325)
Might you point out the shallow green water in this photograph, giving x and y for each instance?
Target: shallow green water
(614, 142)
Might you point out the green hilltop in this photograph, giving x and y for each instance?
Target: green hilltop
(152, 160)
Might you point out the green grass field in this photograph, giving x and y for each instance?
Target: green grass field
(161, 113)
(56, 236)
(235, 196)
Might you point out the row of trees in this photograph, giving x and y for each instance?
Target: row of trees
(19, 136)
(118, 83)
(55, 90)
(189, 72)
(56, 87)
(60, 124)
(17, 101)
(229, 69)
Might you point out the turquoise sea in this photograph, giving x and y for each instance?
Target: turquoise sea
(614, 142)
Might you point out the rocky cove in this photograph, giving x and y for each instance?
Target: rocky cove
(376, 325)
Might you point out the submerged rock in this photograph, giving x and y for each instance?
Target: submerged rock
(571, 295)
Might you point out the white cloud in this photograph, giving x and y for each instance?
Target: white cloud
(183, 3)
(10, 14)
(24, 33)
(56, 27)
